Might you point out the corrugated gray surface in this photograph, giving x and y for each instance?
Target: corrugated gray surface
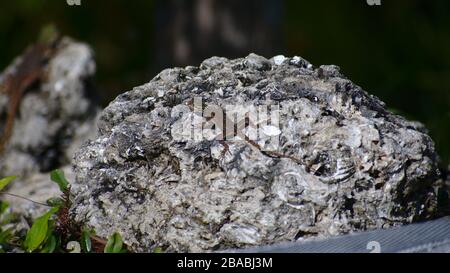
(430, 236)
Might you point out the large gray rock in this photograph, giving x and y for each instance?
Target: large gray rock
(336, 162)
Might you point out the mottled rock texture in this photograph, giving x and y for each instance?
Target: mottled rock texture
(52, 113)
(55, 116)
(344, 163)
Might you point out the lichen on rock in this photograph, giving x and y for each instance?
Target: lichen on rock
(329, 159)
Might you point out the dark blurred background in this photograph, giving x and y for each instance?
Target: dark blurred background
(399, 51)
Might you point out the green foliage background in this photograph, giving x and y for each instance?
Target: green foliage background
(399, 51)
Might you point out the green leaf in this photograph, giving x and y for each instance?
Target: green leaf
(114, 244)
(55, 202)
(58, 177)
(5, 181)
(86, 243)
(3, 206)
(8, 218)
(50, 245)
(38, 232)
(157, 250)
(6, 235)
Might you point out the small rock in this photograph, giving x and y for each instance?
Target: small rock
(54, 118)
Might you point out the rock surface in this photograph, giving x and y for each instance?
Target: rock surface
(337, 161)
(54, 118)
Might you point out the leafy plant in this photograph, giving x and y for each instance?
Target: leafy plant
(114, 244)
(3, 207)
(38, 233)
(86, 243)
(58, 177)
(55, 228)
(5, 181)
(51, 244)
(5, 235)
(157, 250)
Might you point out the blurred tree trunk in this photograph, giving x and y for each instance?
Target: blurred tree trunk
(189, 31)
